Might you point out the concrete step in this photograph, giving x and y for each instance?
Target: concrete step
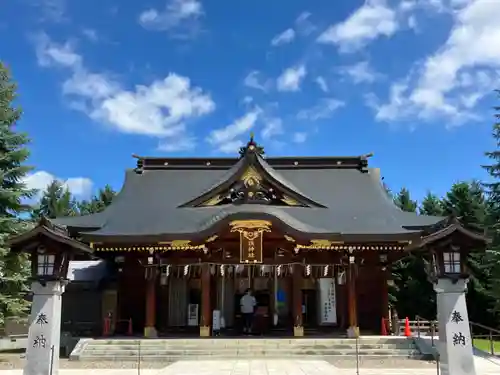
(130, 350)
(241, 347)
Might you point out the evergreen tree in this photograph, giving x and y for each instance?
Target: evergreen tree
(404, 201)
(412, 293)
(431, 205)
(99, 202)
(493, 213)
(56, 201)
(14, 268)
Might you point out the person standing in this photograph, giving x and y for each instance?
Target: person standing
(247, 306)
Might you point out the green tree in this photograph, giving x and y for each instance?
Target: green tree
(99, 202)
(412, 293)
(404, 201)
(431, 205)
(14, 268)
(56, 201)
(492, 190)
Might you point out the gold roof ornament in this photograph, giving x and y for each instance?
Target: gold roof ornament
(238, 225)
(211, 238)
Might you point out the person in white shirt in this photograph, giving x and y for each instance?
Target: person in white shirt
(247, 306)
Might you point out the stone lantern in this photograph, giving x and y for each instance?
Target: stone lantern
(448, 248)
(50, 249)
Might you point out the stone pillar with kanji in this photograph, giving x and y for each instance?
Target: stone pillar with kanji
(44, 336)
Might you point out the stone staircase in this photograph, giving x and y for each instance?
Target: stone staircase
(219, 348)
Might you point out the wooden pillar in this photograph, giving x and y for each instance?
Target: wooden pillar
(353, 330)
(298, 328)
(385, 293)
(206, 311)
(150, 321)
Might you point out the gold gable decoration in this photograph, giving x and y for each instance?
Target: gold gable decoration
(251, 178)
(251, 238)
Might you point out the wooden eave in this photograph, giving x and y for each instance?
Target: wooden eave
(45, 229)
(447, 231)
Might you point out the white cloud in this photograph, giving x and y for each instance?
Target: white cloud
(224, 139)
(360, 72)
(160, 110)
(272, 127)
(322, 83)
(90, 34)
(179, 17)
(78, 186)
(50, 54)
(299, 137)
(291, 78)
(175, 145)
(440, 86)
(303, 25)
(255, 80)
(285, 37)
(369, 22)
(324, 109)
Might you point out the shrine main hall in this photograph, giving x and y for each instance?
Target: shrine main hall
(312, 237)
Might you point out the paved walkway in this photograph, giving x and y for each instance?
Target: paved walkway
(266, 367)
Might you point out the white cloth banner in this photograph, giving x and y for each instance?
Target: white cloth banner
(327, 301)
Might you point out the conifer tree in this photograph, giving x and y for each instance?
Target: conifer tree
(492, 221)
(14, 268)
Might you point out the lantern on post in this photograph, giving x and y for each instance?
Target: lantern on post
(447, 263)
(50, 248)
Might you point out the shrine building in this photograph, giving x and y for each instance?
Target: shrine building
(313, 237)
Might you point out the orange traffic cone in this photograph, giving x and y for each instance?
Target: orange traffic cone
(384, 328)
(407, 327)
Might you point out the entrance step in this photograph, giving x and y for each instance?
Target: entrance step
(177, 349)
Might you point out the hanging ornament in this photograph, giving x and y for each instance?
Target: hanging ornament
(325, 271)
(222, 270)
(186, 270)
(308, 270)
(278, 270)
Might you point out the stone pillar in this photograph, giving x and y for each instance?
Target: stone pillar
(206, 310)
(455, 342)
(44, 337)
(298, 328)
(150, 323)
(353, 330)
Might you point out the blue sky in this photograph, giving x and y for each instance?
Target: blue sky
(409, 80)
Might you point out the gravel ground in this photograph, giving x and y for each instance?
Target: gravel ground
(13, 361)
(383, 363)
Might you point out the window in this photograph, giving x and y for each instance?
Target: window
(46, 264)
(451, 262)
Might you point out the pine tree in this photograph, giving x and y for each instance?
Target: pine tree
(431, 205)
(412, 294)
(493, 213)
(14, 268)
(98, 202)
(404, 201)
(56, 201)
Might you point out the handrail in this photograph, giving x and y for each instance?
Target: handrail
(491, 335)
(485, 327)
